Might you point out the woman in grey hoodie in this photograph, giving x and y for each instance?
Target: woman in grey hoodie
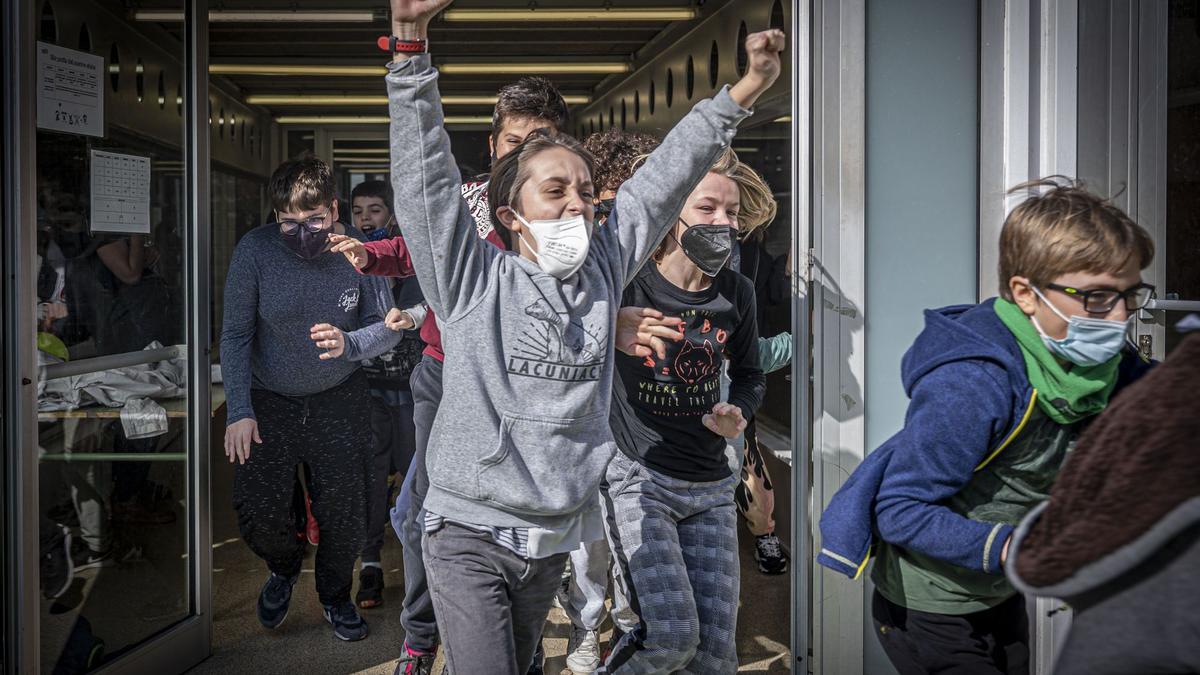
(521, 439)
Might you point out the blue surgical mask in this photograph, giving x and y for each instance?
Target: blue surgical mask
(377, 234)
(1089, 342)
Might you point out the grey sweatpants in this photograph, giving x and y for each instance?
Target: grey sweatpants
(490, 602)
(676, 544)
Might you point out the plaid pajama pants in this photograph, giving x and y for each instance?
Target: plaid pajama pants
(675, 543)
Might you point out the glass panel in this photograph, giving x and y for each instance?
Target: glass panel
(1182, 248)
(111, 301)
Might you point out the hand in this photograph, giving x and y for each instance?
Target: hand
(1004, 551)
(398, 320)
(410, 18)
(354, 250)
(330, 338)
(725, 420)
(762, 53)
(238, 437)
(641, 331)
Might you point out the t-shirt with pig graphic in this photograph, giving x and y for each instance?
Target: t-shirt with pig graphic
(658, 404)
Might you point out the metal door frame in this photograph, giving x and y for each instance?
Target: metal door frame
(188, 642)
(837, 281)
(801, 41)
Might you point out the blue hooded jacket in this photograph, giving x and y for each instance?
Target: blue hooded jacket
(970, 397)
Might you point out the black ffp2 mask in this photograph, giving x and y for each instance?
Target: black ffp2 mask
(707, 246)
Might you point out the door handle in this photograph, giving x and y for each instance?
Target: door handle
(1174, 305)
(1155, 311)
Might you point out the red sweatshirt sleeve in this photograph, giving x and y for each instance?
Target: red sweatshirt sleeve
(388, 258)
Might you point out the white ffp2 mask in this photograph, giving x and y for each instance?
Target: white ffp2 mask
(562, 244)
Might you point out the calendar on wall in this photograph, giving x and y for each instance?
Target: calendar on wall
(120, 193)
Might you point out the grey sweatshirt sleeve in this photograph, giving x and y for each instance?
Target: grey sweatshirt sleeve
(418, 312)
(373, 337)
(648, 204)
(447, 253)
(237, 333)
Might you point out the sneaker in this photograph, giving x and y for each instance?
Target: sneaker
(311, 531)
(347, 624)
(89, 559)
(583, 651)
(769, 553)
(538, 667)
(415, 663)
(370, 587)
(55, 564)
(274, 599)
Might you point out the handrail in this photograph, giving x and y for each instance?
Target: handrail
(55, 371)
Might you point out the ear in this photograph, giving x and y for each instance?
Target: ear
(1022, 293)
(333, 211)
(491, 147)
(508, 218)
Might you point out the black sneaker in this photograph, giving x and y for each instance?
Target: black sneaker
(347, 624)
(769, 553)
(415, 663)
(88, 559)
(55, 565)
(370, 587)
(538, 667)
(274, 599)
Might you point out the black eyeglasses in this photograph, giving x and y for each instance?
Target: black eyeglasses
(312, 224)
(1103, 300)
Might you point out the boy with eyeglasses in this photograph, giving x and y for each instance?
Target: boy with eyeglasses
(296, 324)
(999, 393)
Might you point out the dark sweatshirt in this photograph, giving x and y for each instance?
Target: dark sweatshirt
(273, 298)
(658, 405)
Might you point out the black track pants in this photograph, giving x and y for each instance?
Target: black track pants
(331, 432)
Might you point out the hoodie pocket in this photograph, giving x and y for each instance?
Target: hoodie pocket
(545, 466)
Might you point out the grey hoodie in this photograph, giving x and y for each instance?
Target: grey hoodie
(521, 437)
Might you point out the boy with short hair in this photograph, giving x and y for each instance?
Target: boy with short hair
(296, 324)
(1000, 391)
(391, 395)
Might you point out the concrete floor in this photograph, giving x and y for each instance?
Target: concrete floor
(305, 644)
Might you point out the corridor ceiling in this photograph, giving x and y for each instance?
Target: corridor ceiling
(338, 39)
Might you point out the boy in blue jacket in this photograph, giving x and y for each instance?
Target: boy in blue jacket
(999, 393)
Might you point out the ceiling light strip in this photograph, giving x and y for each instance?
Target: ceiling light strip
(262, 16)
(292, 69)
(353, 100)
(594, 68)
(372, 119)
(579, 14)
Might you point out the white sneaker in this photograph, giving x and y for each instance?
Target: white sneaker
(583, 651)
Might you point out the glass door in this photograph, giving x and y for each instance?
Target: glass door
(1179, 239)
(111, 307)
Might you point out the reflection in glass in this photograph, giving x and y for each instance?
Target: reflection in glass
(111, 416)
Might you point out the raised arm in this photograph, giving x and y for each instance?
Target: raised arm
(446, 251)
(648, 204)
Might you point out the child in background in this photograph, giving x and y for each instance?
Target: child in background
(391, 395)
